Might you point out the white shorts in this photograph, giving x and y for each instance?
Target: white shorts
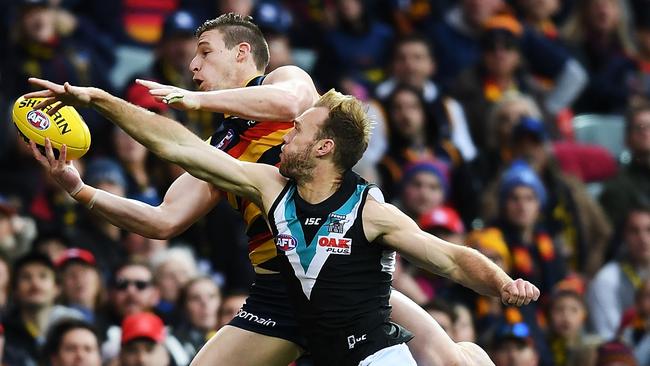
(398, 354)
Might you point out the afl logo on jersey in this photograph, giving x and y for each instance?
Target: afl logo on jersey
(38, 119)
(286, 242)
(223, 144)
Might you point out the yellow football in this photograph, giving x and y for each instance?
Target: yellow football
(66, 126)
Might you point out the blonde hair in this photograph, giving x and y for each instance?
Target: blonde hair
(347, 124)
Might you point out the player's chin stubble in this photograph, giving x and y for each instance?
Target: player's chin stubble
(298, 166)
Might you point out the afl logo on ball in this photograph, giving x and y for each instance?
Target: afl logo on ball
(38, 119)
(285, 242)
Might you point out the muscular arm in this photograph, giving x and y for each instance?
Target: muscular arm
(186, 201)
(464, 265)
(286, 93)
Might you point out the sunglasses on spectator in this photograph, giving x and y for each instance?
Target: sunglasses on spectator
(122, 284)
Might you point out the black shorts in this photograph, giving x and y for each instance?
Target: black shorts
(267, 311)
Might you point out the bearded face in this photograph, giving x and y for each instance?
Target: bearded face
(298, 165)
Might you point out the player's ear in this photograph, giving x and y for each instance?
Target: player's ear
(324, 147)
(243, 51)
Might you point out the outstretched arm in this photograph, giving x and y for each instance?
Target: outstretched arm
(286, 93)
(167, 139)
(464, 265)
(186, 201)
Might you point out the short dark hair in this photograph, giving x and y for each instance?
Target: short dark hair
(56, 333)
(236, 29)
(413, 38)
(32, 257)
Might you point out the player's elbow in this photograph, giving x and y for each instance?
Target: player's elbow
(289, 107)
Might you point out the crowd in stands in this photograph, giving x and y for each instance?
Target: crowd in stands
(520, 128)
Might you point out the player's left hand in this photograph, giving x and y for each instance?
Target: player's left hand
(173, 96)
(519, 292)
(65, 94)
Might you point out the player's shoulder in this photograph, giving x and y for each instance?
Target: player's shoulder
(285, 73)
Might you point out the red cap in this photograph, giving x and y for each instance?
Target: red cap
(442, 217)
(142, 325)
(75, 254)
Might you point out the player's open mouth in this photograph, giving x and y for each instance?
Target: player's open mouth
(198, 82)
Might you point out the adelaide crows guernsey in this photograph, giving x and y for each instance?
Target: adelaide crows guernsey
(258, 142)
(338, 282)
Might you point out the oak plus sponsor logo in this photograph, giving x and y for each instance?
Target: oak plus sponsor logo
(341, 246)
(254, 318)
(285, 242)
(38, 119)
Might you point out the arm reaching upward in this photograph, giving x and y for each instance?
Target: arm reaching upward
(285, 94)
(464, 265)
(169, 140)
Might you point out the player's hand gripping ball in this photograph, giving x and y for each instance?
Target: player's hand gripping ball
(65, 126)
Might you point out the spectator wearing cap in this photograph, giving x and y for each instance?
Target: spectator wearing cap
(173, 52)
(412, 138)
(413, 64)
(96, 234)
(16, 232)
(568, 340)
(34, 290)
(615, 353)
(513, 345)
(424, 186)
(145, 342)
(71, 342)
(275, 20)
(131, 291)
(81, 284)
(598, 34)
(356, 45)
(199, 303)
(570, 214)
(457, 41)
(632, 185)
(612, 289)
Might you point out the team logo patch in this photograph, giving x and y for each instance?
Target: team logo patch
(342, 246)
(38, 119)
(336, 223)
(285, 242)
(223, 144)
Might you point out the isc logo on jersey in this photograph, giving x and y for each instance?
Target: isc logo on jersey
(342, 246)
(285, 242)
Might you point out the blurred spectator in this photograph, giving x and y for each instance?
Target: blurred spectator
(456, 40)
(172, 269)
(570, 214)
(567, 339)
(34, 291)
(424, 186)
(199, 303)
(615, 353)
(133, 158)
(598, 34)
(640, 82)
(96, 234)
(537, 14)
(411, 138)
(443, 314)
(71, 342)
(464, 330)
(632, 185)
(636, 331)
(230, 306)
(499, 71)
(522, 198)
(413, 64)
(143, 341)
(51, 243)
(81, 284)
(612, 290)
(513, 346)
(131, 291)
(16, 232)
(357, 46)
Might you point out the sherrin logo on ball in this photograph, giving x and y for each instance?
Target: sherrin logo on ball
(65, 127)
